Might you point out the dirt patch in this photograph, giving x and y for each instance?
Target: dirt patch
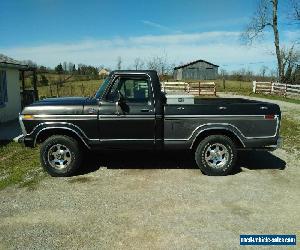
(81, 179)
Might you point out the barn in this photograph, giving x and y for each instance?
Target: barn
(196, 70)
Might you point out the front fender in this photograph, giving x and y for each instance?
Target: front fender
(45, 127)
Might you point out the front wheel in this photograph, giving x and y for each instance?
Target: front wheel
(216, 155)
(60, 155)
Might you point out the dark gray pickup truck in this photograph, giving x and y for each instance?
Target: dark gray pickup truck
(129, 111)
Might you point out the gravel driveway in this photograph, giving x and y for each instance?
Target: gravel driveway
(154, 201)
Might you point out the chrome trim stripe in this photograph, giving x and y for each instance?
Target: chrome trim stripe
(126, 139)
(22, 125)
(63, 117)
(228, 124)
(211, 128)
(34, 143)
(217, 128)
(61, 123)
(125, 118)
(209, 116)
(129, 116)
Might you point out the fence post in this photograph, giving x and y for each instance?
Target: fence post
(272, 88)
(215, 89)
(199, 89)
(254, 87)
(188, 87)
(285, 91)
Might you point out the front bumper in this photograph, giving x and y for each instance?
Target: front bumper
(27, 141)
(21, 139)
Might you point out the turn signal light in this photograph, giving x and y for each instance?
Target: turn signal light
(269, 117)
(27, 117)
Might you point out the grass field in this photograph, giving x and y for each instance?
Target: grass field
(19, 165)
(89, 87)
(72, 88)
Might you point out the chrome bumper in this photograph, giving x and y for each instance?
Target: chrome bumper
(22, 125)
(277, 145)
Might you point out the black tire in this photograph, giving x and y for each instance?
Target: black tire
(216, 155)
(61, 145)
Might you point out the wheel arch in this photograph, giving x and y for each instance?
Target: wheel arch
(46, 132)
(217, 131)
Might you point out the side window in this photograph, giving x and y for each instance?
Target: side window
(3, 88)
(112, 95)
(134, 90)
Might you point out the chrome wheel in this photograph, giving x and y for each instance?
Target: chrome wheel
(59, 156)
(216, 155)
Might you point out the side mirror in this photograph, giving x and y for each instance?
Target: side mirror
(120, 98)
(119, 103)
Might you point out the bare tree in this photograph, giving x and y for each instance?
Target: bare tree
(290, 60)
(266, 16)
(70, 67)
(296, 9)
(119, 63)
(263, 71)
(65, 66)
(160, 64)
(138, 63)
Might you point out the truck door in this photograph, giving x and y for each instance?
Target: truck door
(132, 123)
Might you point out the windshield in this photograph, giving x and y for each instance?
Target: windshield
(102, 88)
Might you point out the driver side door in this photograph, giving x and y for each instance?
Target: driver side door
(132, 123)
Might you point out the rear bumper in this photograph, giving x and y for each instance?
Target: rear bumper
(264, 144)
(278, 143)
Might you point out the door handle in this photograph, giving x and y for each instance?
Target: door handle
(180, 108)
(146, 110)
(263, 107)
(222, 108)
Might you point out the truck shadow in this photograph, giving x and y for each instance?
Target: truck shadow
(253, 160)
(256, 160)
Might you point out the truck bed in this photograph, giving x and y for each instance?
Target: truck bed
(252, 121)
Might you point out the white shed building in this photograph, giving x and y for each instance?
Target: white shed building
(10, 97)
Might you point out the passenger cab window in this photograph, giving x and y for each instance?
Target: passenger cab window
(134, 90)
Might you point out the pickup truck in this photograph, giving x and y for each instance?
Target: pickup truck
(130, 112)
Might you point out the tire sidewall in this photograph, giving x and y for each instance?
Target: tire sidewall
(71, 144)
(205, 144)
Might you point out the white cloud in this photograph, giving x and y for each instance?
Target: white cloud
(220, 47)
(155, 25)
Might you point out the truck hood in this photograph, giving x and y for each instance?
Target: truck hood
(63, 105)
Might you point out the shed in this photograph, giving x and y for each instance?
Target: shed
(10, 95)
(196, 70)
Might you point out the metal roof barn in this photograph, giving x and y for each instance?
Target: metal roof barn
(196, 70)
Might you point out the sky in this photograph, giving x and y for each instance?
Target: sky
(97, 32)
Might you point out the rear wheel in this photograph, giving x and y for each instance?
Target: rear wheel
(216, 155)
(60, 155)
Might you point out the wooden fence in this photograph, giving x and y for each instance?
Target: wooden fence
(276, 88)
(197, 88)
